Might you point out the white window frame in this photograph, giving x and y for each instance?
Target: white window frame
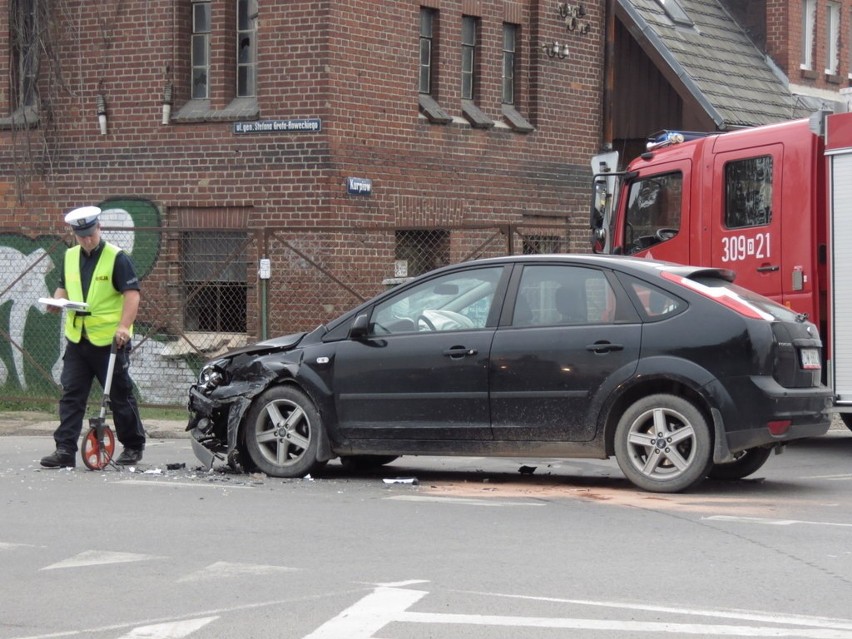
(808, 33)
(832, 41)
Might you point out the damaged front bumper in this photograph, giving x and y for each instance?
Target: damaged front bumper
(214, 426)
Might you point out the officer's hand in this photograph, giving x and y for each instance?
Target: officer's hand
(122, 336)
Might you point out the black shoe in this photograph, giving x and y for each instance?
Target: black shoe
(129, 456)
(60, 459)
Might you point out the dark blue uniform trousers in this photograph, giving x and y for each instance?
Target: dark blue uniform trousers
(83, 363)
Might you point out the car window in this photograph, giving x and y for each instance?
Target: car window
(554, 295)
(457, 301)
(656, 303)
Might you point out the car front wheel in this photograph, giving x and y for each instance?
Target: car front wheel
(663, 444)
(282, 433)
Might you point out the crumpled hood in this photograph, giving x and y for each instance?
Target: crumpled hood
(283, 343)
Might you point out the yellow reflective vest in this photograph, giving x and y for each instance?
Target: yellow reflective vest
(103, 315)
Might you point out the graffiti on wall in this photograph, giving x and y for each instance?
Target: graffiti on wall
(32, 340)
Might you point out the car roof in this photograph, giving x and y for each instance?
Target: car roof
(637, 265)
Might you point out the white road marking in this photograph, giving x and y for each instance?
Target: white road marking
(172, 484)
(831, 477)
(775, 522)
(227, 569)
(369, 615)
(171, 630)
(99, 557)
(464, 501)
(4, 545)
(390, 605)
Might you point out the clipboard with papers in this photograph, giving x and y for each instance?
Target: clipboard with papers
(61, 302)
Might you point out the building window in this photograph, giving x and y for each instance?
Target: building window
(214, 281)
(675, 12)
(832, 42)
(24, 30)
(423, 251)
(200, 50)
(428, 68)
(470, 75)
(468, 70)
(541, 244)
(748, 192)
(509, 35)
(246, 48)
(427, 23)
(808, 24)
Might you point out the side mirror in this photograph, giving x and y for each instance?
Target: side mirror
(360, 327)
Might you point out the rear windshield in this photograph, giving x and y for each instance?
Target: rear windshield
(779, 312)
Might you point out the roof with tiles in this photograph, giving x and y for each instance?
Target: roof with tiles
(715, 62)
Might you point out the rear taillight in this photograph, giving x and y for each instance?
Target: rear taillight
(779, 427)
(723, 296)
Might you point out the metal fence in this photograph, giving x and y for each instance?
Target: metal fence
(206, 291)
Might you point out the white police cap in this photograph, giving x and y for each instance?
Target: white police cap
(83, 220)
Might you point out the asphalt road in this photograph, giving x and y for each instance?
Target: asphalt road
(431, 547)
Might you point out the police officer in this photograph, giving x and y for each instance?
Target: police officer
(102, 275)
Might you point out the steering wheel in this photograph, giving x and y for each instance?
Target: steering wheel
(664, 234)
(427, 322)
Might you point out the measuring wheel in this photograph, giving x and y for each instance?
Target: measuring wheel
(97, 451)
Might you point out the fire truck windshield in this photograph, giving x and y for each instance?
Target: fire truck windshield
(653, 211)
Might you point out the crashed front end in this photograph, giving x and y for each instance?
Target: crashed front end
(223, 393)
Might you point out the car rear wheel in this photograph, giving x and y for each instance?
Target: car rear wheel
(745, 463)
(663, 444)
(282, 433)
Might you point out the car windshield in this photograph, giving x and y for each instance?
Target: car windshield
(776, 310)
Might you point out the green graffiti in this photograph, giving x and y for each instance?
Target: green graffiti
(145, 229)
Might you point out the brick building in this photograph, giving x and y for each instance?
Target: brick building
(448, 112)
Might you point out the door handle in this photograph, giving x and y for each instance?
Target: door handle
(604, 347)
(457, 352)
(768, 269)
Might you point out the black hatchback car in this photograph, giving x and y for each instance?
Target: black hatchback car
(673, 369)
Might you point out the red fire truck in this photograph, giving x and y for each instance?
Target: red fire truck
(772, 203)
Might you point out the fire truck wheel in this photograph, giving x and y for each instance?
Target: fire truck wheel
(847, 419)
(745, 463)
(663, 444)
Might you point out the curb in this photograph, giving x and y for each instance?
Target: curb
(35, 424)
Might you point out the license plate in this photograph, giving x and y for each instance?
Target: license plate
(810, 359)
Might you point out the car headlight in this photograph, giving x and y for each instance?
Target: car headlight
(210, 377)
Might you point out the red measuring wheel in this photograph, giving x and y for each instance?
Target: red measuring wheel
(97, 451)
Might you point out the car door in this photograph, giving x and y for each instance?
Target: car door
(571, 337)
(745, 228)
(422, 372)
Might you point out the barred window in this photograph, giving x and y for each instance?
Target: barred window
(423, 251)
(215, 281)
